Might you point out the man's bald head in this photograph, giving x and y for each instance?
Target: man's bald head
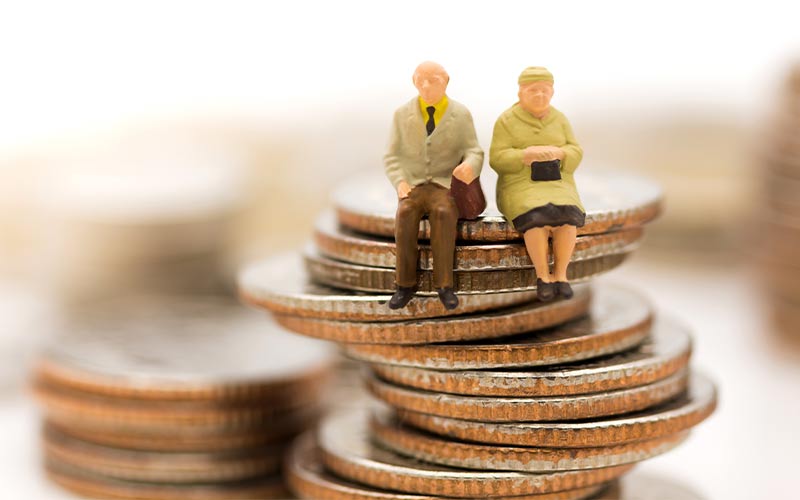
(431, 81)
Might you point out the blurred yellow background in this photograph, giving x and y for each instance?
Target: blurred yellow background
(154, 146)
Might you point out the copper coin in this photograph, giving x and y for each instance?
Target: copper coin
(613, 200)
(72, 413)
(665, 351)
(667, 419)
(342, 244)
(179, 438)
(308, 479)
(169, 349)
(619, 319)
(91, 485)
(63, 405)
(406, 441)
(161, 467)
(282, 285)
(532, 316)
(541, 409)
(375, 279)
(348, 452)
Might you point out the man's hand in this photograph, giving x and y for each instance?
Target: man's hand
(464, 173)
(403, 190)
(542, 153)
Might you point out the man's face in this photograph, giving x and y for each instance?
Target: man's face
(535, 97)
(431, 84)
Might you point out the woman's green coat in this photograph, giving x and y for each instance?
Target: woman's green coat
(515, 130)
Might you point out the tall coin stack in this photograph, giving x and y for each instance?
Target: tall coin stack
(504, 397)
(177, 399)
(780, 217)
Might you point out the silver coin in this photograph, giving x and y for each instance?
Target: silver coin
(389, 432)
(670, 418)
(613, 200)
(342, 244)
(162, 467)
(502, 322)
(665, 351)
(181, 347)
(282, 285)
(619, 319)
(347, 451)
(540, 409)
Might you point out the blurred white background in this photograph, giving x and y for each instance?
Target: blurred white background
(158, 145)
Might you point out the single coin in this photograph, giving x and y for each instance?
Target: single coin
(179, 438)
(90, 485)
(376, 279)
(65, 405)
(160, 348)
(613, 201)
(79, 415)
(161, 467)
(348, 452)
(518, 319)
(308, 479)
(665, 351)
(282, 285)
(541, 409)
(667, 419)
(619, 319)
(421, 445)
(342, 244)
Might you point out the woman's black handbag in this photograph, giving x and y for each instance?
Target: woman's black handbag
(546, 170)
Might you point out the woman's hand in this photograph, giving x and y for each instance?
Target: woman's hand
(542, 153)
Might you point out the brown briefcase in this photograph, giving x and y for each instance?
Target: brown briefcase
(469, 198)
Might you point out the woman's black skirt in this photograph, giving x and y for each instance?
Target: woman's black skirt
(550, 215)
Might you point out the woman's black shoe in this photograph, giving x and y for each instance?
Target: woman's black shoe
(402, 296)
(545, 291)
(563, 289)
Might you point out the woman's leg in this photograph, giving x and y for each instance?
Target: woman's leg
(563, 246)
(536, 244)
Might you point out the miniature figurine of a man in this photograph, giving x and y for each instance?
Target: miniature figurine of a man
(535, 154)
(432, 140)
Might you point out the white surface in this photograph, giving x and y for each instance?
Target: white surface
(85, 65)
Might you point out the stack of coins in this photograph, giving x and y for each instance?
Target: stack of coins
(780, 216)
(176, 399)
(504, 397)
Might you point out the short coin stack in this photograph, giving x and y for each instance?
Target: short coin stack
(176, 399)
(505, 397)
(780, 220)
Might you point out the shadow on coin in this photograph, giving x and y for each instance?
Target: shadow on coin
(648, 487)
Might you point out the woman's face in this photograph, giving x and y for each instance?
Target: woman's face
(535, 97)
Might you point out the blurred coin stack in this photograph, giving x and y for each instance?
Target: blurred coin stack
(505, 397)
(175, 399)
(779, 221)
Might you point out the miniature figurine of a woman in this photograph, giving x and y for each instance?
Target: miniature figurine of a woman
(535, 154)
